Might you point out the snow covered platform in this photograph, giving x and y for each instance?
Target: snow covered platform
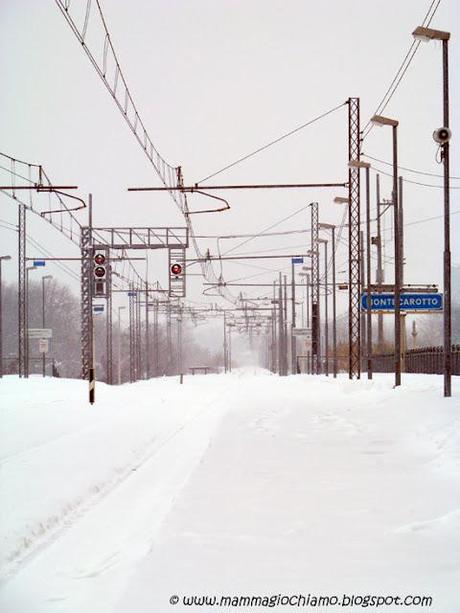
(229, 485)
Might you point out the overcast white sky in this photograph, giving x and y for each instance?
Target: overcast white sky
(213, 80)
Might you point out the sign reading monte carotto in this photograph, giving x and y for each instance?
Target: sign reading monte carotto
(408, 302)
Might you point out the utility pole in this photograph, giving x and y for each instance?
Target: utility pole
(168, 337)
(225, 342)
(285, 334)
(315, 306)
(120, 308)
(132, 366)
(362, 312)
(401, 252)
(147, 331)
(22, 318)
(108, 321)
(156, 339)
(44, 278)
(138, 334)
(28, 269)
(379, 272)
(2, 258)
(368, 275)
(293, 322)
(88, 346)
(280, 327)
(179, 340)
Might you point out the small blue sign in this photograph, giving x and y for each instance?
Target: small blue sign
(297, 260)
(39, 263)
(408, 302)
(98, 308)
(131, 294)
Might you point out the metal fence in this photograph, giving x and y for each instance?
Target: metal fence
(427, 360)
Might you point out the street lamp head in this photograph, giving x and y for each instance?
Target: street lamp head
(427, 34)
(306, 267)
(31, 267)
(341, 200)
(379, 120)
(47, 277)
(5, 257)
(321, 240)
(358, 164)
(326, 226)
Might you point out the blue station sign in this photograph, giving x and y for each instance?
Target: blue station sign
(297, 260)
(408, 302)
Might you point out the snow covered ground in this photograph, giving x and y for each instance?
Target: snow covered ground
(229, 485)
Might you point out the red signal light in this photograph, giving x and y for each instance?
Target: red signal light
(176, 269)
(99, 259)
(99, 272)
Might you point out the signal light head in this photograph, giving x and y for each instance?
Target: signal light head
(99, 259)
(99, 272)
(176, 269)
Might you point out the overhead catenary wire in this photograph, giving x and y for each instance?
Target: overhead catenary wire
(401, 70)
(412, 170)
(273, 142)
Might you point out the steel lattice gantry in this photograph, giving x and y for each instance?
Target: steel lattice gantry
(86, 283)
(315, 318)
(174, 239)
(354, 263)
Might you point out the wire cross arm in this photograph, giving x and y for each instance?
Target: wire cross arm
(64, 210)
(198, 191)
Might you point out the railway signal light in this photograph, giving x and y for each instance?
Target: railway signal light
(176, 269)
(100, 270)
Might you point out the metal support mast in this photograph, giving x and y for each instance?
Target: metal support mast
(132, 365)
(22, 332)
(354, 276)
(315, 318)
(86, 295)
(109, 344)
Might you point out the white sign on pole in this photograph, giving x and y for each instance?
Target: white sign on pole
(40, 333)
(305, 333)
(43, 345)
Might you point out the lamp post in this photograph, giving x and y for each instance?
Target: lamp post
(28, 269)
(44, 278)
(324, 242)
(442, 136)
(329, 226)
(366, 166)
(120, 308)
(2, 258)
(378, 120)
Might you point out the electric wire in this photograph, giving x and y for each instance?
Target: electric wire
(273, 142)
(401, 70)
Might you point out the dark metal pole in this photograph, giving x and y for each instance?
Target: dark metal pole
(397, 273)
(280, 326)
(293, 322)
(334, 308)
(156, 349)
(1, 321)
(368, 277)
(225, 341)
(362, 312)
(401, 256)
(147, 332)
(43, 323)
(379, 275)
(326, 323)
(285, 344)
(447, 256)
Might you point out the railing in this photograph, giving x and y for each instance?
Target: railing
(427, 360)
